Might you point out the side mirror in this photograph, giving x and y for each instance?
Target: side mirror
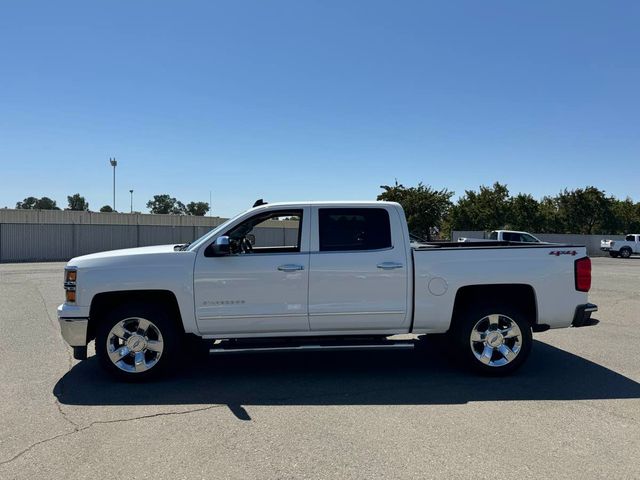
(220, 247)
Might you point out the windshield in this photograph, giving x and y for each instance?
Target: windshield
(196, 243)
(529, 238)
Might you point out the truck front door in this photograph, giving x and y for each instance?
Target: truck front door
(262, 286)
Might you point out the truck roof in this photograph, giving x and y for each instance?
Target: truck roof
(329, 203)
(512, 231)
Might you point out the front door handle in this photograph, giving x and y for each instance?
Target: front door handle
(290, 267)
(389, 265)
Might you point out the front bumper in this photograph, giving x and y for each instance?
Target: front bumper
(605, 249)
(582, 317)
(73, 329)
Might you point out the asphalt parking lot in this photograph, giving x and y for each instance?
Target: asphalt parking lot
(573, 411)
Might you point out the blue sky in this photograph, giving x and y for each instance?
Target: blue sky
(313, 100)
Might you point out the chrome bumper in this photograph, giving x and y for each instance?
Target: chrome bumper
(74, 331)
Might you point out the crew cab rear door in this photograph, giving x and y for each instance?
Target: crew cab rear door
(358, 272)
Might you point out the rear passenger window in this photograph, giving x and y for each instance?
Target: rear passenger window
(354, 229)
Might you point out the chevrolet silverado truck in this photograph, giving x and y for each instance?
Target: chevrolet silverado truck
(622, 248)
(335, 276)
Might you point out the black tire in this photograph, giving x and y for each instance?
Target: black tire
(613, 254)
(468, 350)
(163, 328)
(625, 252)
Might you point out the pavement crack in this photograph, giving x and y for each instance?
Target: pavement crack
(77, 428)
(33, 445)
(152, 415)
(64, 415)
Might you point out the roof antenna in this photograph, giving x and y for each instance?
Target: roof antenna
(259, 202)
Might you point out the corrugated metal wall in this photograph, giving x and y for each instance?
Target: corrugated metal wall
(30, 242)
(54, 235)
(27, 242)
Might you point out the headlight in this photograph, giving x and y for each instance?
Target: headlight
(70, 279)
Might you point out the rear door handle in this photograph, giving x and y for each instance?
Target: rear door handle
(290, 267)
(389, 265)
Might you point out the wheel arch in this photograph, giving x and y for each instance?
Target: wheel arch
(519, 296)
(104, 302)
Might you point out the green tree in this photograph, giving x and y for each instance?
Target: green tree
(106, 208)
(28, 203)
(625, 217)
(197, 208)
(77, 202)
(524, 213)
(487, 209)
(550, 221)
(165, 204)
(424, 207)
(584, 210)
(33, 203)
(45, 203)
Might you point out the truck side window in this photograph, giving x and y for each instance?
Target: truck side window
(354, 229)
(630, 238)
(510, 237)
(270, 232)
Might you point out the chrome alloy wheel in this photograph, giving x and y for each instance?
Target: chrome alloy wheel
(496, 340)
(134, 345)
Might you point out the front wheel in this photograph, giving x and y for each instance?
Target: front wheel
(493, 341)
(136, 342)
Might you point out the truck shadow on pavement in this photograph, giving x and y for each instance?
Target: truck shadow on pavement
(348, 378)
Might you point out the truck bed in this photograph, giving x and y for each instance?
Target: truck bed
(442, 269)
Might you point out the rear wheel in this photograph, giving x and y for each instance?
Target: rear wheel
(137, 342)
(493, 340)
(625, 252)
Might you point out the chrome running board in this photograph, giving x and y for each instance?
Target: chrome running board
(314, 348)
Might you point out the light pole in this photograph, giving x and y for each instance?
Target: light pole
(114, 164)
(131, 192)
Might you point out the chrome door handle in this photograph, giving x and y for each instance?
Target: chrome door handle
(290, 267)
(389, 265)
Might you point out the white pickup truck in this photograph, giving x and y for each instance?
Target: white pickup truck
(622, 248)
(343, 275)
(504, 236)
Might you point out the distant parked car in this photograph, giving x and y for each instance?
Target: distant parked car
(505, 236)
(623, 248)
